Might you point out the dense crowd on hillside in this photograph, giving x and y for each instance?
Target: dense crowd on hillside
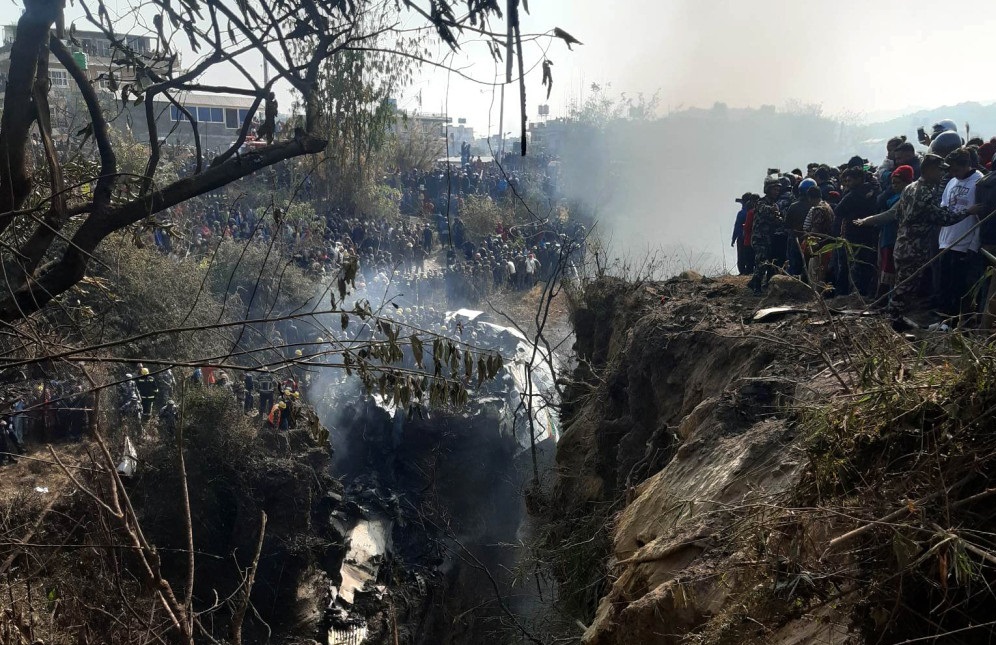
(915, 226)
(414, 266)
(407, 248)
(442, 189)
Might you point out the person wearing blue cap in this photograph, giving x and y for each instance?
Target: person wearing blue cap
(795, 218)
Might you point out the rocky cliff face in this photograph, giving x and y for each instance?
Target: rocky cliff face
(679, 432)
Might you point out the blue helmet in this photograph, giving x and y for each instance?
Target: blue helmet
(805, 185)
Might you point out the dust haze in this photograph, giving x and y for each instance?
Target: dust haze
(668, 185)
(745, 86)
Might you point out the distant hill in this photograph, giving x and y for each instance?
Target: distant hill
(672, 180)
(982, 118)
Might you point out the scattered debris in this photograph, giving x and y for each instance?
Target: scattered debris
(129, 459)
(774, 313)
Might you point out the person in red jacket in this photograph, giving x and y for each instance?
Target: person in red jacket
(277, 418)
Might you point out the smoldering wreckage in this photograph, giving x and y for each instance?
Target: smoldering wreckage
(427, 492)
(688, 498)
(387, 520)
(425, 504)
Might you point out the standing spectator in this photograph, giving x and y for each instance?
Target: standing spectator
(906, 156)
(818, 224)
(888, 165)
(767, 221)
(247, 386)
(919, 212)
(6, 449)
(857, 262)
(886, 220)
(985, 196)
(795, 218)
(532, 270)
(960, 266)
(427, 239)
(745, 260)
(19, 419)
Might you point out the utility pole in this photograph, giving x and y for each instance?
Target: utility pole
(501, 126)
(509, 38)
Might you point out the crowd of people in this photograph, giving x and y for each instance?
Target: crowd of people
(916, 226)
(407, 247)
(422, 262)
(443, 189)
(50, 411)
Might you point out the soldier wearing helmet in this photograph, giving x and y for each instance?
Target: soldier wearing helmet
(766, 224)
(944, 143)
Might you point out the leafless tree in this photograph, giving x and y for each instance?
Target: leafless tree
(49, 233)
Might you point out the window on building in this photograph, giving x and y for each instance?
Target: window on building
(59, 77)
(209, 114)
(97, 47)
(175, 114)
(138, 44)
(235, 118)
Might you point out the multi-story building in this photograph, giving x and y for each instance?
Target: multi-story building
(219, 117)
(94, 52)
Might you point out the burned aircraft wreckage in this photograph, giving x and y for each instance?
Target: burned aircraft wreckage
(433, 503)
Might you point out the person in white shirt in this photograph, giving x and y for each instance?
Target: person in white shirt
(532, 269)
(959, 266)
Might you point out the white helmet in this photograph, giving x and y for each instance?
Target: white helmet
(944, 125)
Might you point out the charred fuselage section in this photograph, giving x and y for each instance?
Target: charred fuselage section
(434, 505)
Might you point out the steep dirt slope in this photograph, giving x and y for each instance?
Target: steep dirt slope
(679, 433)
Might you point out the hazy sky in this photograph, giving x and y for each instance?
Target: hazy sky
(850, 56)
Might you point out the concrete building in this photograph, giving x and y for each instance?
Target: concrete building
(426, 129)
(460, 134)
(219, 117)
(548, 137)
(94, 53)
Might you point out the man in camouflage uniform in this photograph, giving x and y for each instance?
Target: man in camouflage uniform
(919, 213)
(767, 224)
